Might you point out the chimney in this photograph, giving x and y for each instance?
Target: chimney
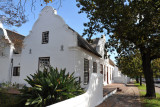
(1, 25)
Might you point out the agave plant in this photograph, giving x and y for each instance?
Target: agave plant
(50, 86)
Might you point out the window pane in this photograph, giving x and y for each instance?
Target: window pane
(94, 67)
(45, 37)
(104, 73)
(86, 71)
(16, 71)
(101, 69)
(44, 62)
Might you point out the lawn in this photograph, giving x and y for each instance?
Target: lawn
(146, 102)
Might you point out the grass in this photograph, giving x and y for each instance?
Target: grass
(143, 87)
(147, 102)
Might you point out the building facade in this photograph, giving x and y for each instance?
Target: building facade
(52, 42)
(118, 77)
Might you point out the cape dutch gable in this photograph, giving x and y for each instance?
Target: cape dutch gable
(52, 42)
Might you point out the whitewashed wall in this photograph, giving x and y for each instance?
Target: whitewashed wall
(16, 63)
(118, 77)
(72, 58)
(5, 58)
(122, 79)
(59, 34)
(116, 72)
(80, 54)
(110, 73)
(5, 64)
(92, 98)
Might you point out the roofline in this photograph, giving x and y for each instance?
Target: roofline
(112, 62)
(93, 52)
(78, 36)
(15, 32)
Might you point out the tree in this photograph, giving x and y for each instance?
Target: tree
(131, 24)
(131, 66)
(14, 13)
(155, 64)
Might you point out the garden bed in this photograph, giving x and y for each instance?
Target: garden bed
(10, 98)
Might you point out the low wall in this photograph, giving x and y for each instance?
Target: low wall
(122, 79)
(92, 98)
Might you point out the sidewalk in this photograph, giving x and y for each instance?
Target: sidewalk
(127, 97)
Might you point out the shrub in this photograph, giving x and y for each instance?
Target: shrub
(7, 99)
(7, 85)
(50, 86)
(10, 100)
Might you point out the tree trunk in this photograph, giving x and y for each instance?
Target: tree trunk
(140, 80)
(148, 74)
(137, 79)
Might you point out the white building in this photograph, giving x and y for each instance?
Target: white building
(118, 77)
(52, 42)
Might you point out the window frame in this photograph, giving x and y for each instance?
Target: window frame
(105, 73)
(44, 37)
(101, 65)
(42, 58)
(17, 72)
(94, 67)
(86, 71)
(110, 73)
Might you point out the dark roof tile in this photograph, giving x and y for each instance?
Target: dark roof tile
(84, 44)
(111, 62)
(16, 39)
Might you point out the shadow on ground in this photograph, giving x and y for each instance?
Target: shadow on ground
(130, 85)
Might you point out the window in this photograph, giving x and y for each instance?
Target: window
(44, 62)
(104, 73)
(94, 67)
(79, 80)
(110, 74)
(16, 71)
(15, 52)
(45, 37)
(86, 71)
(107, 75)
(101, 69)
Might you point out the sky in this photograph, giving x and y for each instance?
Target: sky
(68, 11)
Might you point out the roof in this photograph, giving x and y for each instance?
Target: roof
(94, 42)
(84, 44)
(111, 62)
(16, 39)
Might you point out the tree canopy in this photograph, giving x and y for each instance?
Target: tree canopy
(130, 65)
(156, 67)
(131, 25)
(14, 12)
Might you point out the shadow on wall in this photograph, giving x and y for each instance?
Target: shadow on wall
(79, 67)
(92, 98)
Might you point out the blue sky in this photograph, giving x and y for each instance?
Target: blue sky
(68, 11)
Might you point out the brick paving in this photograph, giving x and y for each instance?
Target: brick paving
(127, 96)
(107, 90)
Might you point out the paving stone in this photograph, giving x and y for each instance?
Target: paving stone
(127, 97)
